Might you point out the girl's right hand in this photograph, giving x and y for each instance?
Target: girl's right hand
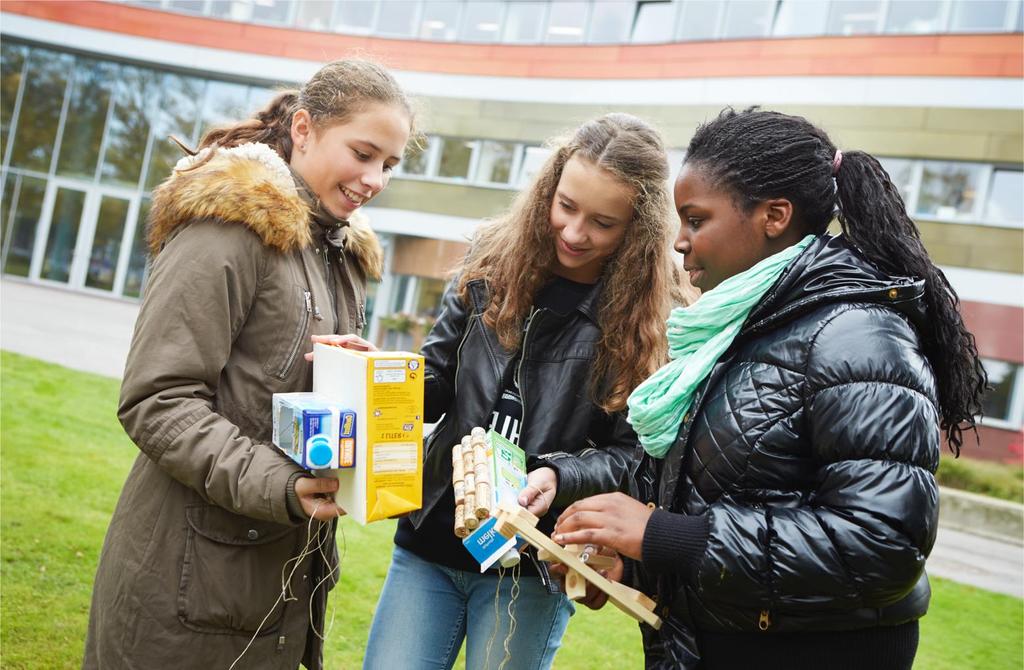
(316, 495)
(345, 341)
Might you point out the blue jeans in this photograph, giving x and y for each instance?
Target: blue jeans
(426, 610)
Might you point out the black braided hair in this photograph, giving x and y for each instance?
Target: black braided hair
(757, 155)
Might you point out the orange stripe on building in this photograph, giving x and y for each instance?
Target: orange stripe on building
(1000, 55)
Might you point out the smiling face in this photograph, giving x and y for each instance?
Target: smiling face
(590, 213)
(717, 239)
(348, 163)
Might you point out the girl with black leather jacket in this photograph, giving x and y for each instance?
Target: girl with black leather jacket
(554, 317)
(787, 501)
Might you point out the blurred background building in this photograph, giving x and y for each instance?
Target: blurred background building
(91, 90)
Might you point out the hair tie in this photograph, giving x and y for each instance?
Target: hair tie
(837, 160)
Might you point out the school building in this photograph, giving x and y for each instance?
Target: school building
(91, 90)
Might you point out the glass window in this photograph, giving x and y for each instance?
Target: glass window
(523, 22)
(495, 164)
(258, 98)
(854, 17)
(428, 296)
(314, 14)
(63, 235)
(748, 18)
(533, 160)
(192, 6)
(106, 243)
(179, 110)
(654, 21)
(355, 16)
(12, 60)
(45, 81)
(611, 21)
(10, 182)
(801, 17)
(566, 20)
(235, 10)
(456, 155)
(86, 117)
(700, 20)
(416, 159)
(1002, 377)
(480, 21)
(27, 203)
(979, 15)
(1006, 197)
(225, 103)
(272, 11)
(397, 18)
(948, 190)
(901, 172)
(914, 16)
(128, 129)
(135, 278)
(440, 20)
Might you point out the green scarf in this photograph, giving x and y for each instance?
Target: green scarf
(697, 337)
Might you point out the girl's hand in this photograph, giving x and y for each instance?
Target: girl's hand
(539, 492)
(612, 520)
(316, 495)
(346, 341)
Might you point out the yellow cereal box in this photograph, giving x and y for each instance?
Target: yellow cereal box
(385, 388)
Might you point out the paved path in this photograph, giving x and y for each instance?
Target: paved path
(92, 333)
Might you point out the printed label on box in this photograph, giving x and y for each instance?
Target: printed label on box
(395, 457)
(389, 376)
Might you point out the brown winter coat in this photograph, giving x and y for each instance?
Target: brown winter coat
(193, 558)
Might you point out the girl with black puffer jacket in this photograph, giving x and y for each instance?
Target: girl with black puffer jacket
(786, 501)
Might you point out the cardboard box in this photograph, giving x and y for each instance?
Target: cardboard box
(312, 430)
(385, 389)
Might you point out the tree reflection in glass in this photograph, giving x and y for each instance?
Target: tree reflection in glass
(45, 81)
(128, 130)
(26, 201)
(87, 114)
(177, 115)
(12, 61)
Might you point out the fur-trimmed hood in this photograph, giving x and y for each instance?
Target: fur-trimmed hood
(252, 185)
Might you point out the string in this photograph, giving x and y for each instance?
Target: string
(511, 617)
(497, 617)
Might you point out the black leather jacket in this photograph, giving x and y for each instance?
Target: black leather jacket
(592, 451)
(811, 448)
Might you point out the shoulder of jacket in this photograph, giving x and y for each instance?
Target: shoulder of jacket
(249, 185)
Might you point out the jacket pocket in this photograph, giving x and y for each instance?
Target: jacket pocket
(231, 572)
(294, 329)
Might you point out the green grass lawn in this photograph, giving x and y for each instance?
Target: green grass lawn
(64, 458)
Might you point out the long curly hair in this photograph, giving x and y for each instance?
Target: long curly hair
(515, 255)
(757, 155)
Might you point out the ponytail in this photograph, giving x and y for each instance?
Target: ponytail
(874, 219)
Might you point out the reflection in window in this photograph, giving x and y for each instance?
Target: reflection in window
(914, 16)
(45, 80)
(397, 18)
(12, 60)
(455, 157)
(128, 129)
(566, 20)
(179, 109)
(428, 296)
(26, 203)
(749, 18)
(700, 20)
(1006, 197)
(533, 160)
(272, 11)
(235, 10)
(440, 20)
(654, 21)
(854, 17)
(136, 276)
(1002, 377)
(901, 173)
(63, 235)
(495, 164)
(523, 22)
(610, 21)
(355, 16)
(416, 159)
(259, 97)
(192, 6)
(106, 243)
(948, 190)
(87, 114)
(225, 103)
(980, 15)
(799, 17)
(480, 21)
(314, 14)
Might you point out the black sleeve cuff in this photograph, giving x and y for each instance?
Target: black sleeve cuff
(673, 542)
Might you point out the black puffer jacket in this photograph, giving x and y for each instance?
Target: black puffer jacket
(465, 364)
(808, 455)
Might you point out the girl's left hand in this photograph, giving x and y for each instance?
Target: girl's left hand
(613, 520)
(346, 341)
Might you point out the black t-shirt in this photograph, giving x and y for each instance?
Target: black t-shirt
(435, 540)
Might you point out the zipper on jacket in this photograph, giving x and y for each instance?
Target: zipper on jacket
(297, 339)
(519, 366)
(764, 620)
(458, 354)
(330, 284)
